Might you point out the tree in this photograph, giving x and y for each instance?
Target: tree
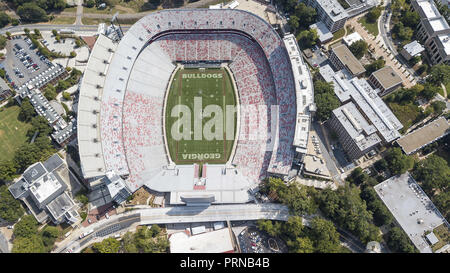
(373, 14)
(293, 227)
(32, 244)
(90, 3)
(442, 202)
(73, 54)
(40, 125)
(438, 107)
(2, 42)
(66, 96)
(294, 23)
(326, 103)
(49, 236)
(381, 165)
(357, 176)
(155, 230)
(268, 226)
(26, 111)
(307, 38)
(26, 155)
(397, 241)
(359, 48)
(26, 227)
(398, 163)
(434, 173)
(429, 91)
(4, 19)
(37, 32)
(324, 236)
(50, 92)
(30, 12)
(440, 74)
(374, 66)
(410, 19)
(305, 14)
(10, 208)
(109, 245)
(300, 245)
(7, 171)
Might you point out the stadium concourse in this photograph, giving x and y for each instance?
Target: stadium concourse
(122, 99)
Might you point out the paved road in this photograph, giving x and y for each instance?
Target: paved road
(327, 153)
(48, 27)
(179, 214)
(4, 247)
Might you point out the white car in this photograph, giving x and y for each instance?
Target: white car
(107, 216)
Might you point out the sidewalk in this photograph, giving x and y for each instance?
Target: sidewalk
(380, 50)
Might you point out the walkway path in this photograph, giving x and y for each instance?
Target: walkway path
(79, 13)
(380, 50)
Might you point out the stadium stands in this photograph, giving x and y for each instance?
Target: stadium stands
(139, 72)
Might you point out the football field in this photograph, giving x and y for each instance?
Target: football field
(210, 90)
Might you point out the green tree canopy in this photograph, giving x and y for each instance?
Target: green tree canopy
(10, 208)
(4, 19)
(31, 12)
(31, 244)
(109, 245)
(26, 227)
(359, 48)
(324, 236)
(398, 162)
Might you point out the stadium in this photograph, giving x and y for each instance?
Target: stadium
(227, 66)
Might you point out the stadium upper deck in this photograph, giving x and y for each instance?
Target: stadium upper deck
(129, 139)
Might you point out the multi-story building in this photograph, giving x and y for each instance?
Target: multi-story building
(330, 12)
(42, 189)
(386, 80)
(433, 31)
(355, 134)
(364, 120)
(412, 50)
(342, 58)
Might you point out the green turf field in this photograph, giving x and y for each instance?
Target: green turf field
(12, 132)
(214, 87)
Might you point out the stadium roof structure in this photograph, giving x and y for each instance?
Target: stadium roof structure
(411, 207)
(425, 135)
(122, 95)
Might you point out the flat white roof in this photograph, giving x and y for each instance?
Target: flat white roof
(218, 241)
(445, 40)
(45, 186)
(351, 38)
(304, 93)
(411, 207)
(429, 9)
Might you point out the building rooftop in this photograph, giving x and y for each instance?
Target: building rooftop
(348, 59)
(333, 9)
(363, 133)
(365, 97)
(351, 38)
(411, 207)
(218, 241)
(444, 43)
(3, 85)
(60, 205)
(45, 187)
(34, 172)
(304, 93)
(427, 9)
(322, 31)
(387, 77)
(414, 48)
(419, 138)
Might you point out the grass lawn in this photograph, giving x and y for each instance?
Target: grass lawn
(443, 234)
(406, 114)
(12, 131)
(62, 20)
(102, 11)
(94, 21)
(214, 87)
(372, 28)
(338, 34)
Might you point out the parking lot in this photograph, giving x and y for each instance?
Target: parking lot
(23, 62)
(252, 240)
